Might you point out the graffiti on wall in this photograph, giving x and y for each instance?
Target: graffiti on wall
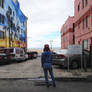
(13, 24)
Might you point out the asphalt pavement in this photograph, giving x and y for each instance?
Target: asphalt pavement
(28, 77)
(39, 86)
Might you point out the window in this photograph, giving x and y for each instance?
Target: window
(73, 27)
(86, 21)
(83, 24)
(17, 51)
(85, 44)
(13, 13)
(86, 2)
(73, 39)
(1, 35)
(78, 7)
(23, 24)
(2, 19)
(91, 40)
(10, 10)
(2, 3)
(82, 3)
(79, 42)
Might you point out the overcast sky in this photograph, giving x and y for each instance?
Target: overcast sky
(45, 19)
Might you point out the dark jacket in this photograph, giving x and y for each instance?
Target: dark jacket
(46, 59)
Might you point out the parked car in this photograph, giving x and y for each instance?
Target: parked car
(35, 54)
(3, 56)
(64, 57)
(26, 56)
(12, 54)
(32, 54)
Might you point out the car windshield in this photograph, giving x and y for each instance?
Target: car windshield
(5, 50)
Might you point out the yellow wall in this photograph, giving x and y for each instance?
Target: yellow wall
(15, 43)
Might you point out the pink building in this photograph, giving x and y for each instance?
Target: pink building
(67, 33)
(83, 22)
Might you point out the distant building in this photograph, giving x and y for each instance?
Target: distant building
(83, 22)
(13, 25)
(67, 34)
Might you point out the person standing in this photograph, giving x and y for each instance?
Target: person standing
(46, 61)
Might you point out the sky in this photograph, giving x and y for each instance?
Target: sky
(45, 19)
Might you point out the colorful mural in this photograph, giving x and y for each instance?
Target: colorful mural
(12, 25)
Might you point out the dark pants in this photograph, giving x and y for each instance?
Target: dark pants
(51, 74)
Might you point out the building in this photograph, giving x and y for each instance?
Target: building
(67, 34)
(13, 25)
(83, 22)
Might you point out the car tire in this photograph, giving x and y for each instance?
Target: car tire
(74, 64)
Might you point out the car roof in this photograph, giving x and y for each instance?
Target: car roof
(61, 51)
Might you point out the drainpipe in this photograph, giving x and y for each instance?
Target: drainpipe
(82, 55)
(91, 53)
(73, 33)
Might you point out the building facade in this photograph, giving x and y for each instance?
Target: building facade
(13, 25)
(83, 22)
(67, 34)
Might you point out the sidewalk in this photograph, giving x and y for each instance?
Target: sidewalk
(76, 75)
(72, 75)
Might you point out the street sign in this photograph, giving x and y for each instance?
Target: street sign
(75, 49)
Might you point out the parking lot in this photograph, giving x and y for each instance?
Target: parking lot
(32, 69)
(27, 69)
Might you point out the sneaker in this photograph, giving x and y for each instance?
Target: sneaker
(48, 86)
(54, 85)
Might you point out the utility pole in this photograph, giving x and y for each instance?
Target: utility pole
(84, 62)
(51, 41)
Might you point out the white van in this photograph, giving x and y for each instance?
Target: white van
(14, 54)
(17, 54)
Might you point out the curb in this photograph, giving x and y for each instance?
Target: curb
(78, 79)
(59, 79)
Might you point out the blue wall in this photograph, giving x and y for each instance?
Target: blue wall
(18, 19)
